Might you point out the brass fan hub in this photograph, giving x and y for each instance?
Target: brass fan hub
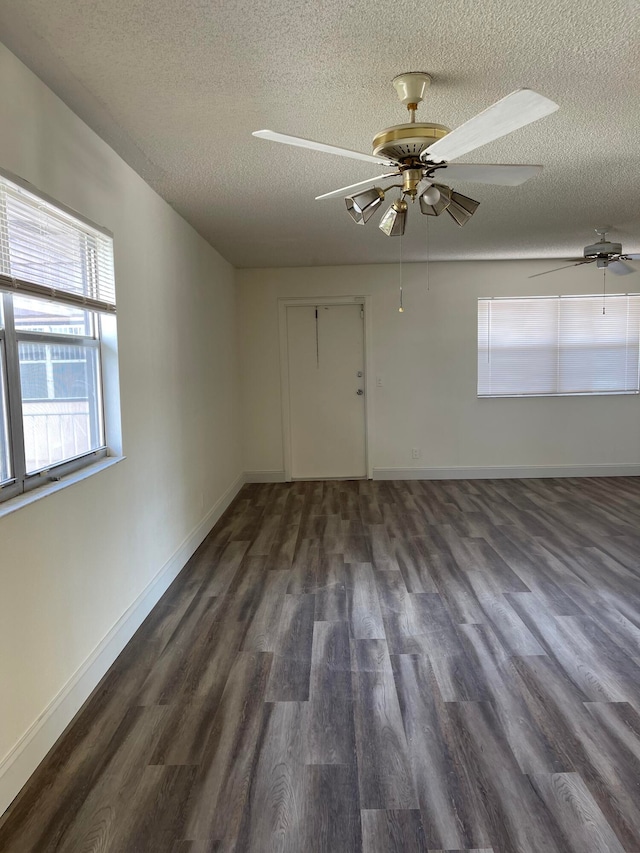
(407, 141)
(410, 180)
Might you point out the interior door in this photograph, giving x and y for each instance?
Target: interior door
(326, 391)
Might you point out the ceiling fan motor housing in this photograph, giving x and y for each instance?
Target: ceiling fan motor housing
(407, 141)
(604, 249)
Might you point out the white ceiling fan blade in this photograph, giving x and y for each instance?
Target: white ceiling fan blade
(511, 113)
(361, 185)
(504, 176)
(320, 146)
(627, 257)
(557, 269)
(620, 268)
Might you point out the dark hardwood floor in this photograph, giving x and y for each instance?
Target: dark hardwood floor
(377, 666)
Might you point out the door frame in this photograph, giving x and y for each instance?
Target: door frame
(285, 302)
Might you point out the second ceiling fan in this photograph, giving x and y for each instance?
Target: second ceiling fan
(420, 155)
(605, 254)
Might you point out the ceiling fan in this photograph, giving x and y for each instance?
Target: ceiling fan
(420, 154)
(607, 256)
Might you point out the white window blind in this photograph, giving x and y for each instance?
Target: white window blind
(49, 253)
(558, 345)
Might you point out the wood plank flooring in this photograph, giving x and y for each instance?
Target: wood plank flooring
(371, 666)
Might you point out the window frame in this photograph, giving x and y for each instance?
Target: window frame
(5, 415)
(22, 481)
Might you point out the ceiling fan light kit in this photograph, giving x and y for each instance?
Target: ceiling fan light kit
(420, 152)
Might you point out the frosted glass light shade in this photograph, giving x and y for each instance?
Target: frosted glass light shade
(461, 208)
(431, 207)
(394, 220)
(362, 206)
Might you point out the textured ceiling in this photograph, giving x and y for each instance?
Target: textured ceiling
(177, 87)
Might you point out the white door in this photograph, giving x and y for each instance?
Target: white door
(326, 391)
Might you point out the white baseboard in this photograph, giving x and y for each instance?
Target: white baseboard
(506, 472)
(264, 477)
(19, 764)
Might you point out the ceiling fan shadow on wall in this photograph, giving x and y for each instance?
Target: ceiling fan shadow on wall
(605, 255)
(420, 154)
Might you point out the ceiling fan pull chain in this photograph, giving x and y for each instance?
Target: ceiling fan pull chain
(401, 307)
(604, 288)
(428, 281)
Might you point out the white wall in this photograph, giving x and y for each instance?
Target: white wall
(72, 563)
(427, 360)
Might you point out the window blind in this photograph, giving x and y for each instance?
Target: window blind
(558, 345)
(49, 253)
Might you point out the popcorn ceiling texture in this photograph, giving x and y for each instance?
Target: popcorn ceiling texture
(177, 87)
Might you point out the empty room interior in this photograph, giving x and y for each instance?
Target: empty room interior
(319, 427)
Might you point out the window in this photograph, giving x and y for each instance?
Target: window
(558, 345)
(56, 292)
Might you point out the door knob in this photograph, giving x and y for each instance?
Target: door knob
(359, 392)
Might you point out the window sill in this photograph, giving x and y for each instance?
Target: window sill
(558, 394)
(27, 498)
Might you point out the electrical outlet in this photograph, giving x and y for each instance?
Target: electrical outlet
(379, 381)
(416, 453)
